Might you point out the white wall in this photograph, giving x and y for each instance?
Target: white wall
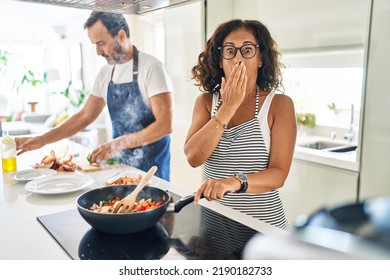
(183, 41)
(218, 11)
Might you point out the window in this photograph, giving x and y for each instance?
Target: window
(21, 77)
(327, 84)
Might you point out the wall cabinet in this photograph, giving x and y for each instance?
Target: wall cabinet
(300, 24)
(310, 187)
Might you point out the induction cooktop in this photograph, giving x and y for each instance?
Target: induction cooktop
(193, 233)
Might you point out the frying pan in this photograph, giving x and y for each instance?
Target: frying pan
(369, 219)
(125, 223)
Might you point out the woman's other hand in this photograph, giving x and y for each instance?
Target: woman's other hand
(234, 88)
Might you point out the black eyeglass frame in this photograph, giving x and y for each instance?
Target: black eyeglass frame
(257, 46)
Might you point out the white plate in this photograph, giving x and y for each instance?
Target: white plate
(153, 182)
(32, 174)
(59, 184)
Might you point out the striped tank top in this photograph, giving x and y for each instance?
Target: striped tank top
(245, 149)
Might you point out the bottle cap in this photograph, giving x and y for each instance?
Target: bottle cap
(7, 139)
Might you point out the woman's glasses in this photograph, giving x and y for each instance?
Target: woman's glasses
(247, 51)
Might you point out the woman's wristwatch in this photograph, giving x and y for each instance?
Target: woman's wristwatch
(243, 180)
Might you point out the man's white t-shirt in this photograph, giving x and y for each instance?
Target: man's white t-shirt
(152, 79)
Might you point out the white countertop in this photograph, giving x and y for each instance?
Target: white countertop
(346, 160)
(22, 237)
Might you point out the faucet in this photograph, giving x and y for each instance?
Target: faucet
(350, 134)
(333, 135)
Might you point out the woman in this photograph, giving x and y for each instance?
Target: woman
(243, 128)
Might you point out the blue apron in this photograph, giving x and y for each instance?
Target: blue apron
(129, 114)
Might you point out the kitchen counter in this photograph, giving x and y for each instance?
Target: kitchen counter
(346, 160)
(23, 237)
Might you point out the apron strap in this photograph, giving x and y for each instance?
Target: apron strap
(112, 73)
(135, 66)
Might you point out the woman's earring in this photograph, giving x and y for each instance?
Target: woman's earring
(260, 65)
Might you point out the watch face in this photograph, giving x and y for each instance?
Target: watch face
(242, 177)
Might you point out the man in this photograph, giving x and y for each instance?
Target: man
(138, 92)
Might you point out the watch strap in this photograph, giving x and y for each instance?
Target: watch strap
(244, 183)
(244, 187)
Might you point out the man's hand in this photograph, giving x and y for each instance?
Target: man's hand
(105, 152)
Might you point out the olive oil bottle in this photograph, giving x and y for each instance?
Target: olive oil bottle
(8, 154)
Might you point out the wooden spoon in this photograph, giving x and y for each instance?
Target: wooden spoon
(126, 204)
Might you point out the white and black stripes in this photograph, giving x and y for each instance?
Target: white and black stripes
(225, 237)
(242, 149)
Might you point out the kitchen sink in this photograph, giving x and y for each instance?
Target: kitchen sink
(329, 146)
(321, 145)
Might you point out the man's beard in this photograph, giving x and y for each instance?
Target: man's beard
(118, 54)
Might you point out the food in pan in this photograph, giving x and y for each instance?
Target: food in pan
(107, 206)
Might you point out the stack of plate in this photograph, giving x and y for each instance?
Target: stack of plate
(47, 181)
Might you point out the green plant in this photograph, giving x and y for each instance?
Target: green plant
(4, 56)
(29, 77)
(4, 60)
(306, 119)
(75, 97)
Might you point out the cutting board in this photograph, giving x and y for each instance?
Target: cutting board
(90, 167)
(86, 167)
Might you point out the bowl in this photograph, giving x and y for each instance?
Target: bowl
(122, 223)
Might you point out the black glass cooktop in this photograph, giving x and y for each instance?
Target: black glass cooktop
(193, 233)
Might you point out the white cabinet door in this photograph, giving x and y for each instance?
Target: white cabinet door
(309, 187)
(375, 166)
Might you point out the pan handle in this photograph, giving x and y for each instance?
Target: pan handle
(184, 201)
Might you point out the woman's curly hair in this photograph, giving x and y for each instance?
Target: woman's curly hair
(208, 73)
